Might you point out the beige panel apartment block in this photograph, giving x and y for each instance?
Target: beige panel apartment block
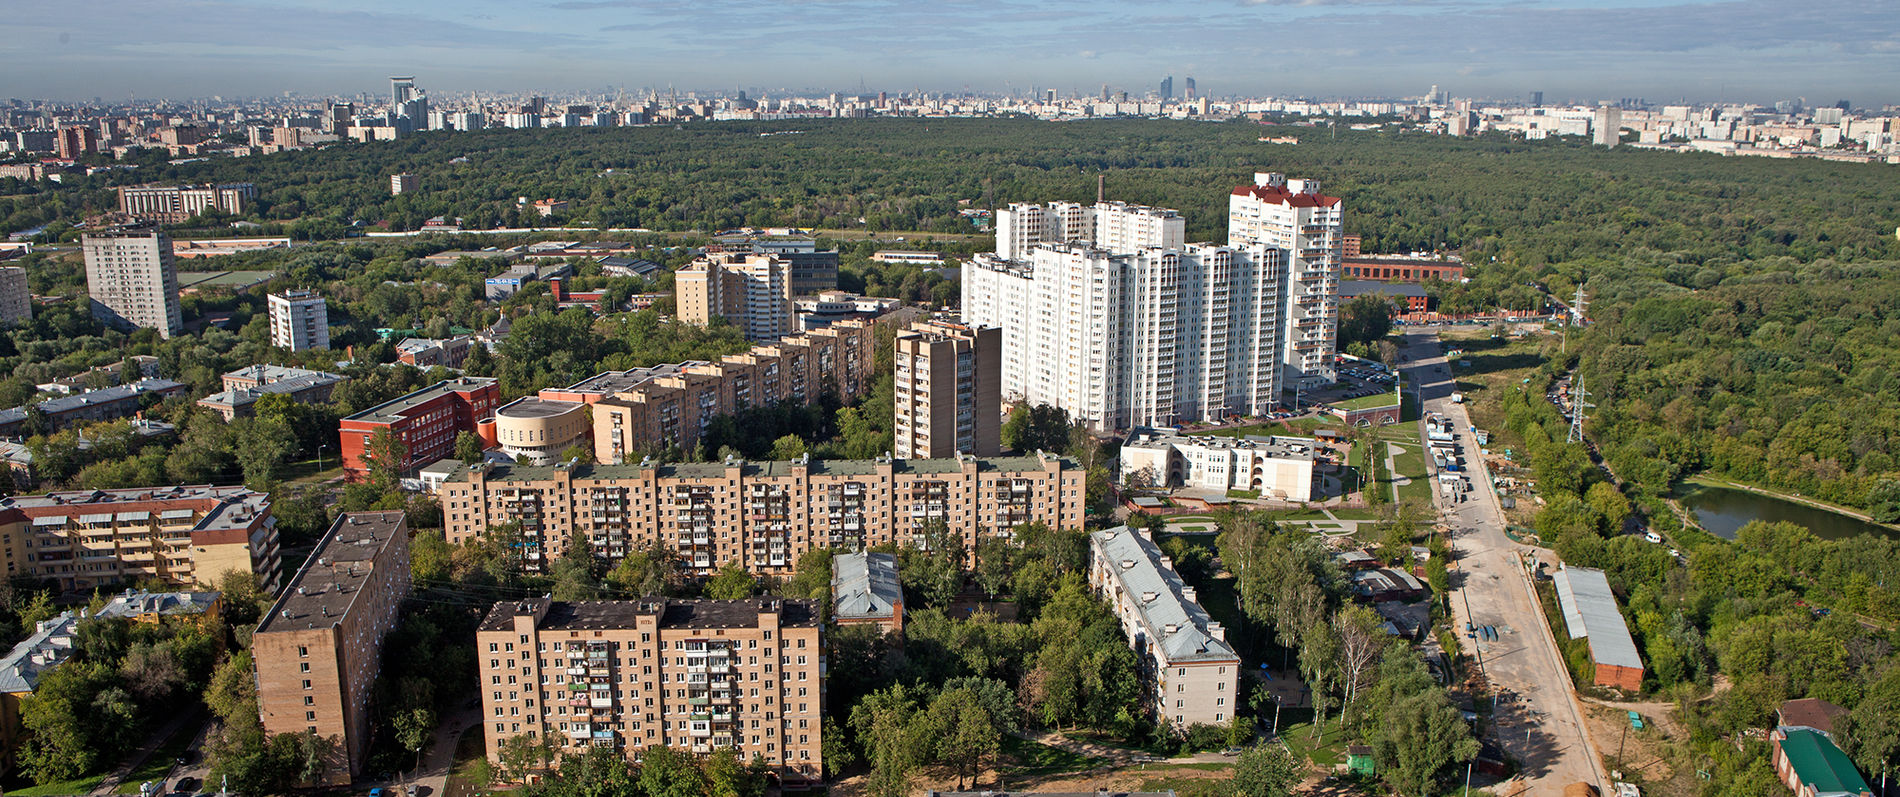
(184, 536)
(319, 650)
(753, 291)
(132, 281)
(948, 389)
(693, 675)
(762, 515)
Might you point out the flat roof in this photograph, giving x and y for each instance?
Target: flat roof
(1590, 611)
(623, 381)
(1299, 448)
(531, 407)
(605, 615)
(326, 586)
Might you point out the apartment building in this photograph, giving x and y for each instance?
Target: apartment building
(753, 291)
(694, 675)
(244, 386)
(1150, 337)
(299, 320)
(426, 421)
(949, 395)
(16, 298)
(762, 515)
(186, 536)
(645, 409)
(1278, 468)
(813, 271)
(174, 204)
(1189, 671)
(403, 183)
(131, 279)
(1306, 226)
(320, 648)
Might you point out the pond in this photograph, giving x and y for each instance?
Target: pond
(1724, 510)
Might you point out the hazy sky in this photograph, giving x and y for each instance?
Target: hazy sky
(1750, 50)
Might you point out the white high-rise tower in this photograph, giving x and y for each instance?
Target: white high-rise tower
(1305, 225)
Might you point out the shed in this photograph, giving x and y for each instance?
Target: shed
(1589, 609)
(1359, 761)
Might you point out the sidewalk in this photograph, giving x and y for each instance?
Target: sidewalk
(114, 779)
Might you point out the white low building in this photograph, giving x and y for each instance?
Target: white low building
(1276, 467)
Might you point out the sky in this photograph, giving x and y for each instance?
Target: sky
(1572, 50)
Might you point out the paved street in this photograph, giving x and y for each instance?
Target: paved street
(1537, 720)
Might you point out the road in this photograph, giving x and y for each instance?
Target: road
(1537, 720)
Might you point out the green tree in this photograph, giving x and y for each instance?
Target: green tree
(666, 772)
(468, 448)
(731, 583)
(414, 729)
(1419, 739)
(1041, 427)
(387, 458)
(1265, 770)
(1365, 318)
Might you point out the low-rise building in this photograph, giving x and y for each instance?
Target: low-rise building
(760, 515)
(1190, 673)
(539, 430)
(865, 591)
(243, 387)
(319, 649)
(426, 422)
(1394, 268)
(430, 352)
(104, 404)
(1280, 468)
(694, 675)
(1809, 763)
(1589, 609)
(186, 536)
(828, 307)
(507, 283)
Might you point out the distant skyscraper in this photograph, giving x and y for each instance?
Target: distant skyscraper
(1167, 88)
(1606, 126)
(401, 90)
(1190, 89)
(340, 115)
(400, 184)
(1537, 99)
(131, 279)
(1104, 92)
(299, 320)
(16, 299)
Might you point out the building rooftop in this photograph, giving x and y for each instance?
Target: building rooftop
(1170, 618)
(610, 382)
(105, 395)
(326, 586)
(132, 603)
(864, 585)
(1820, 765)
(605, 615)
(398, 408)
(242, 396)
(1590, 611)
(225, 508)
(1270, 445)
(51, 642)
(531, 407)
(1810, 712)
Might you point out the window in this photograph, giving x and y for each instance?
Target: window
(1178, 703)
(310, 716)
(309, 701)
(1220, 701)
(306, 684)
(303, 650)
(303, 666)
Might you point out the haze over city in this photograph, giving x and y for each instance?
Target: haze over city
(1741, 50)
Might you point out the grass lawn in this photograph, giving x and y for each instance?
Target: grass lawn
(80, 786)
(1327, 750)
(1034, 759)
(306, 472)
(469, 774)
(160, 764)
(1380, 399)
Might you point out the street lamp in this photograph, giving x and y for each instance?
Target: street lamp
(320, 448)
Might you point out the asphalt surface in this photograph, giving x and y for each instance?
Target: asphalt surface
(1537, 719)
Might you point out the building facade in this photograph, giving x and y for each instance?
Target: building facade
(694, 675)
(753, 291)
(185, 536)
(104, 404)
(1401, 269)
(1279, 468)
(244, 386)
(1150, 337)
(540, 430)
(1187, 668)
(647, 409)
(426, 422)
(948, 390)
(761, 515)
(1306, 226)
(174, 204)
(132, 281)
(299, 320)
(16, 298)
(319, 649)
(400, 184)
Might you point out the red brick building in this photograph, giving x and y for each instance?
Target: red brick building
(426, 421)
(1401, 269)
(1410, 298)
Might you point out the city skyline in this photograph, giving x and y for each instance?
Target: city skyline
(1687, 50)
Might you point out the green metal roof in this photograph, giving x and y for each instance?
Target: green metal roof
(1818, 763)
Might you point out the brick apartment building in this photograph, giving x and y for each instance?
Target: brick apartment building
(1187, 667)
(672, 404)
(184, 536)
(319, 649)
(426, 421)
(762, 515)
(694, 675)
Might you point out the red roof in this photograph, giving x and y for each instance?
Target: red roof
(1279, 195)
